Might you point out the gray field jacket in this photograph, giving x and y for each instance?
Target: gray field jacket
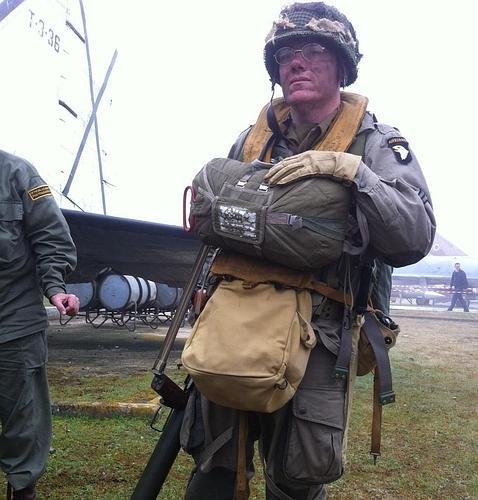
(36, 249)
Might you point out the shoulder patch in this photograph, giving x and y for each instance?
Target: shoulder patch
(39, 192)
(399, 146)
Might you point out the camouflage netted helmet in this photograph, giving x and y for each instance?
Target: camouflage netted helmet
(314, 21)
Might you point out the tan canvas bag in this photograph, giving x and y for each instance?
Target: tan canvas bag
(250, 345)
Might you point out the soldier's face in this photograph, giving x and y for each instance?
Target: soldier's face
(305, 81)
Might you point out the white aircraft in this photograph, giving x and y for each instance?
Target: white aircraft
(50, 98)
(428, 281)
(53, 100)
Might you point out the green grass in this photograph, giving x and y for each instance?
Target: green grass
(66, 388)
(429, 442)
(96, 458)
(428, 447)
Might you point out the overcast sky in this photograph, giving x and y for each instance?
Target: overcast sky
(189, 77)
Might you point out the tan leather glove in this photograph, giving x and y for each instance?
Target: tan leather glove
(342, 166)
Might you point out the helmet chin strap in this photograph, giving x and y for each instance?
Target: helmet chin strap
(271, 116)
(273, 125)
(272, 119)
(342, 77)
(273, 89)
(272, 122)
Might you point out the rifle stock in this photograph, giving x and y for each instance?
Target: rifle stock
(172, 396)
(161, 460)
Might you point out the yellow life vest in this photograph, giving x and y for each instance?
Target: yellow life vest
(339, 136)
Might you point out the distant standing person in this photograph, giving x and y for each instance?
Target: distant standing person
(36, 253)
(458, 284)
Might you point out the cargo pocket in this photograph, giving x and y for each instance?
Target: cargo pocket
(313, 451)
(11, 215)
(192, 428)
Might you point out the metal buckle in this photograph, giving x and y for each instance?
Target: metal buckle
(341, 373)
(387, 398)
(295, 221)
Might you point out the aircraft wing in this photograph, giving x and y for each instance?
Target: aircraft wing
(158, 252)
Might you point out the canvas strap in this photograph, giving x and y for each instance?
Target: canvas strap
(254, 270)
(382, 385)
(376, 419)
(241, 491)
(377, 342)
(345, 351)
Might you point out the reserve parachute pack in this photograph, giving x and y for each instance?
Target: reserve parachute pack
(301, 225)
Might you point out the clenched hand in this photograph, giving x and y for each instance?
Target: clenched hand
(66, 303)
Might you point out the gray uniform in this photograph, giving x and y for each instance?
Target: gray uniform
(302, 442)
(36, 252)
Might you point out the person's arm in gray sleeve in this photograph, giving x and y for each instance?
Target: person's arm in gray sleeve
(393, 195)
(48, 234)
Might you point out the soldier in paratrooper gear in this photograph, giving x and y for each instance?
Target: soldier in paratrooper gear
(312, 52)
(36, 253)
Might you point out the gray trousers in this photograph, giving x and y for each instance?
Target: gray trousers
(301, 443)
(25, 412)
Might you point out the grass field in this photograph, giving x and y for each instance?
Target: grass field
(429, 444)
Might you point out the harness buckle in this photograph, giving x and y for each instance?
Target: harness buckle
(295, 221)
(386, 398)
(341, 373)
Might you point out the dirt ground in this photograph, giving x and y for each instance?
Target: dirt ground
(109, 349)
(440, 338)
(78, 346)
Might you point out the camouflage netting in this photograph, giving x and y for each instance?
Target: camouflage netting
(314, 21)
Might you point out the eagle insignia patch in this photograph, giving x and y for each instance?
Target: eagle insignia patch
(399, 146)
